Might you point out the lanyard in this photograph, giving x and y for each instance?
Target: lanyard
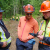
(23, 29)
(45, 29)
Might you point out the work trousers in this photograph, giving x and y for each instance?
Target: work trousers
(4, 49)
(22, 45)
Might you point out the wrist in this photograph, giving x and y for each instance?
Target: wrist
(4, 44)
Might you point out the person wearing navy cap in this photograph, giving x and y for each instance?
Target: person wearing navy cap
(5, 38)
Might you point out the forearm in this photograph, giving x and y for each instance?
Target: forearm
(3, 44)
(47, 40)
(8, 38)
(8, 45)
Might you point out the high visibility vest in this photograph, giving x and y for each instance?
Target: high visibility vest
(47, 33)
(42, 27)
(3, 36)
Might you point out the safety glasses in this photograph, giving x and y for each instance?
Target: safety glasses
(28, 13)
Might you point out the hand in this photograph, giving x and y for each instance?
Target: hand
(27, 38)
(4, 44)
(40, 32)
(40, 37)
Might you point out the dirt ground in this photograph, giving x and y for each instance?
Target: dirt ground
(12, 28)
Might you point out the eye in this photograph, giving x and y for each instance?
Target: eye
(29, 14)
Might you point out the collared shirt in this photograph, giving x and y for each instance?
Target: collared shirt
(25, 27)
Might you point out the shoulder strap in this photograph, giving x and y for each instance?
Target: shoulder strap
(41, 24)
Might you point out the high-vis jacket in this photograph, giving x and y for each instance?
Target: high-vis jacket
(45, 43)
(4, 35)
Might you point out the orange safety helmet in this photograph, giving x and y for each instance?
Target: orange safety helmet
(45, 6)
(28, 8)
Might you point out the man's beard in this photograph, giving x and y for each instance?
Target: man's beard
(44, 18)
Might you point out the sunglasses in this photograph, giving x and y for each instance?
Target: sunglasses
(28, 13)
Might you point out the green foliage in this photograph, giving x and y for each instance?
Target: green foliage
(5, 19)
(37, 5)
(16, 6)
(6, 5)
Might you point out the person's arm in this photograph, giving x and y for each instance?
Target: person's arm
(35, 29)
(4, 44)
(46, 39)
(41, 37)
(3, 25)
(8, 39)
(8, 42)
(19, 25)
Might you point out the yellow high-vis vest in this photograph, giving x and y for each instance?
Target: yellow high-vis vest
(46, 31)
(3, 37)
(42, 27)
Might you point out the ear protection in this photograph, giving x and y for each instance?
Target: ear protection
(30, 7)
(33, 8)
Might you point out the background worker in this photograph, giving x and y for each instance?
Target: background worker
(44, 33)
(5, 39)
(27, 24)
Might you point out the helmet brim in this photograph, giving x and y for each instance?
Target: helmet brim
(29, 11)
(44, 10)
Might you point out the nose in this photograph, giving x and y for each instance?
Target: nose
(29, 14)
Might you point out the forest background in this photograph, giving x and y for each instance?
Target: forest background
(13, 10)
(15, 7)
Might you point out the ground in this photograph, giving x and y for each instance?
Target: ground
(12, 28)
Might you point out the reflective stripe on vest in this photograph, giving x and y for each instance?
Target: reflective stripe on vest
(3, 38)
(42, 27)
(47, 34)
(9, 40)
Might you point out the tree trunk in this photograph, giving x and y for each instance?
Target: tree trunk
(16, 6)
(22, 7)
(14, 10)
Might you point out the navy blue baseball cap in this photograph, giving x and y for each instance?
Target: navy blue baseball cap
(1, 10)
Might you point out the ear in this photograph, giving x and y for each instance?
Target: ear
(23, 7)
(33, 8)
